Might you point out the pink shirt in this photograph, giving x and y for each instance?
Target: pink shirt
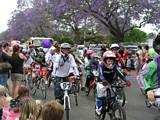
(9, 115)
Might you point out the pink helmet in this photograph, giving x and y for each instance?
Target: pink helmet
(89, 52)
(109, 54)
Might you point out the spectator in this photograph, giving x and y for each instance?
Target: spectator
(4, 66)
(52, 111)
(28, 109)
(125, 55)
(145, 54)
(17, 69)
(139, 51)
(6, 49)
(103, 49)
(4, 101)
(137, 63)
(86, 47)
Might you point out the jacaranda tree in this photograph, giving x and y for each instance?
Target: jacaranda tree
(118, 16)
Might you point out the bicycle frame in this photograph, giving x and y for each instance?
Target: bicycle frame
(66, 86)
(66, 95)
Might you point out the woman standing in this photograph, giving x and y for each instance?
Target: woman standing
(17, 69)
(4, 66)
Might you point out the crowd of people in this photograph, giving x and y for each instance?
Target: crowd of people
(62, 63)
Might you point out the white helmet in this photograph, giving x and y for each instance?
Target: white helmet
(114, 46)
(24, 50)
(65, 45)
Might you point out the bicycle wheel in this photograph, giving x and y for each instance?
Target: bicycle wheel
(76, 98)
(77, 86)
(121, 96)
(43, 88)
(118, 112)
(29, 81)
(67, 108)
(34, 87)
(49, 81)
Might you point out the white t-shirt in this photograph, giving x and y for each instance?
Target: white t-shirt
(61, 67)
(28, 62)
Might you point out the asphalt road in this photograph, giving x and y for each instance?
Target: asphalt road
(135, 107)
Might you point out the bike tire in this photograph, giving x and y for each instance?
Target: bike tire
(43, 88)
(121, 112)
(34, 87)
(78, 86)
(49, 81)
(121, 97)
(101, 116)
(67, 108)
(76, 98)
(29, 81)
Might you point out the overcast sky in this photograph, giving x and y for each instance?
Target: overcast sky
(7, 6)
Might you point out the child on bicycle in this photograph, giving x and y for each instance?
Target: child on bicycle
(91, 70)
(108, 73)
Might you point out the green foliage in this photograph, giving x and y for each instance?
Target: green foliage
(111, 39)
(135, 35)
(62, 37)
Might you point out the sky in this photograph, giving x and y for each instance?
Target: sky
(7, 6)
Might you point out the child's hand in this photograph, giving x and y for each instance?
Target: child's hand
(150, 95)
(128, 83)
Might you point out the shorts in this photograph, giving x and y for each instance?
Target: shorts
(16, 77)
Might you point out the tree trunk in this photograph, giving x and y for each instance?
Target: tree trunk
(77, 36)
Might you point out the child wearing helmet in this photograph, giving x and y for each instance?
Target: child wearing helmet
(108, 73)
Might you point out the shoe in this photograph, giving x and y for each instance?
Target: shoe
(83, 89)
(98, 111)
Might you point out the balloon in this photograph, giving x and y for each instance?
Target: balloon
(46, 43)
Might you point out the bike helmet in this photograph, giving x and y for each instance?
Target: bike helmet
(108, 54)
(151, 52)
(94, 55)
(65, 45)
(89, 52)
(114, 46)
(24, 50)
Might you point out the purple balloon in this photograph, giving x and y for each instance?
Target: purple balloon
(46, 43)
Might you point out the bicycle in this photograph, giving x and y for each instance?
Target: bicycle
(155, 103)
(40, 82)
(111, 105)
(69, 88)
(66, 86)
(75, 89)
(92, 83)
(121, 96)
(28, 77)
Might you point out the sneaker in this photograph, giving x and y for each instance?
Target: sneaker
(83, 89)
(98, 111)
